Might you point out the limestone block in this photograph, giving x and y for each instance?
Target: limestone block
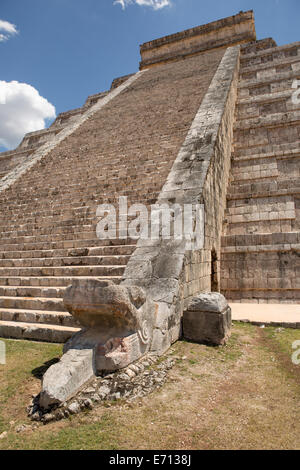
(207, 319)
(64, 379)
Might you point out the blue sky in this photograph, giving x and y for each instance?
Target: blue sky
(69, 49)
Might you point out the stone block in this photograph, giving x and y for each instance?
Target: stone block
(207, 319)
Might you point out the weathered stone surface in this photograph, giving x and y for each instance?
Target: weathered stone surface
(207, 319)
(74, 408)
(97, 303)
(119, 321)
(64, 379)
(208, 302)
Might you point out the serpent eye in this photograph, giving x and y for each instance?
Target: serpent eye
(109, 346)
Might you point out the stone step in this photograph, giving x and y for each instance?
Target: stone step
(63, 216)
(268, 68)
(282, 150)
(11, 200)
(262, 248)
(259, 217)
(92, 251)
(15, 199)
(33, 303)
(255, 141)
(130, 187)
(263, 216)
(67, 226)
(271, 120)
(68, 244)
(129, 183)
(262, 239)
(48, 210)
(255, 135)
(30, 291)
(125, 172)
(264, 105)
(272, 84)
(53, 281)
(251, 49)
(62, 318)
(271, 55)
(265, 189)
(263, 47)
(91, 235)
(68, 199)
(256, 212)
(35, 331)
(253, 171)
(63, 271)
(21, 231)
(22, 215)
(264, 98)
(66, 261)
(260, 226)
(47, 223)
(109, 166)
(99, 175)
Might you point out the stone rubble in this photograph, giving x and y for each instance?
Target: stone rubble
(134, 382)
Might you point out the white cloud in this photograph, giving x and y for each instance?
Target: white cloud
(7, 30)
(155, 4)
(22, 110)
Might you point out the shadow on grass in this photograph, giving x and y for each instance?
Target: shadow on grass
(38, 372)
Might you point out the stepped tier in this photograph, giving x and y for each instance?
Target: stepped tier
(260, 243)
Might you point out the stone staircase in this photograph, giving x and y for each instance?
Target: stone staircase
(261, 242)
(48, 216)
(33, 140)
(32, 284)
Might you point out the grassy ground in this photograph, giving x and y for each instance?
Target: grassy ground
(243, 396)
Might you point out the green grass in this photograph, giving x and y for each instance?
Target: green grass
(24, 360)
(98, 436)
(283, 338)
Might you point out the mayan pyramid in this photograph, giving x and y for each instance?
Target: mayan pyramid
(213, 116)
